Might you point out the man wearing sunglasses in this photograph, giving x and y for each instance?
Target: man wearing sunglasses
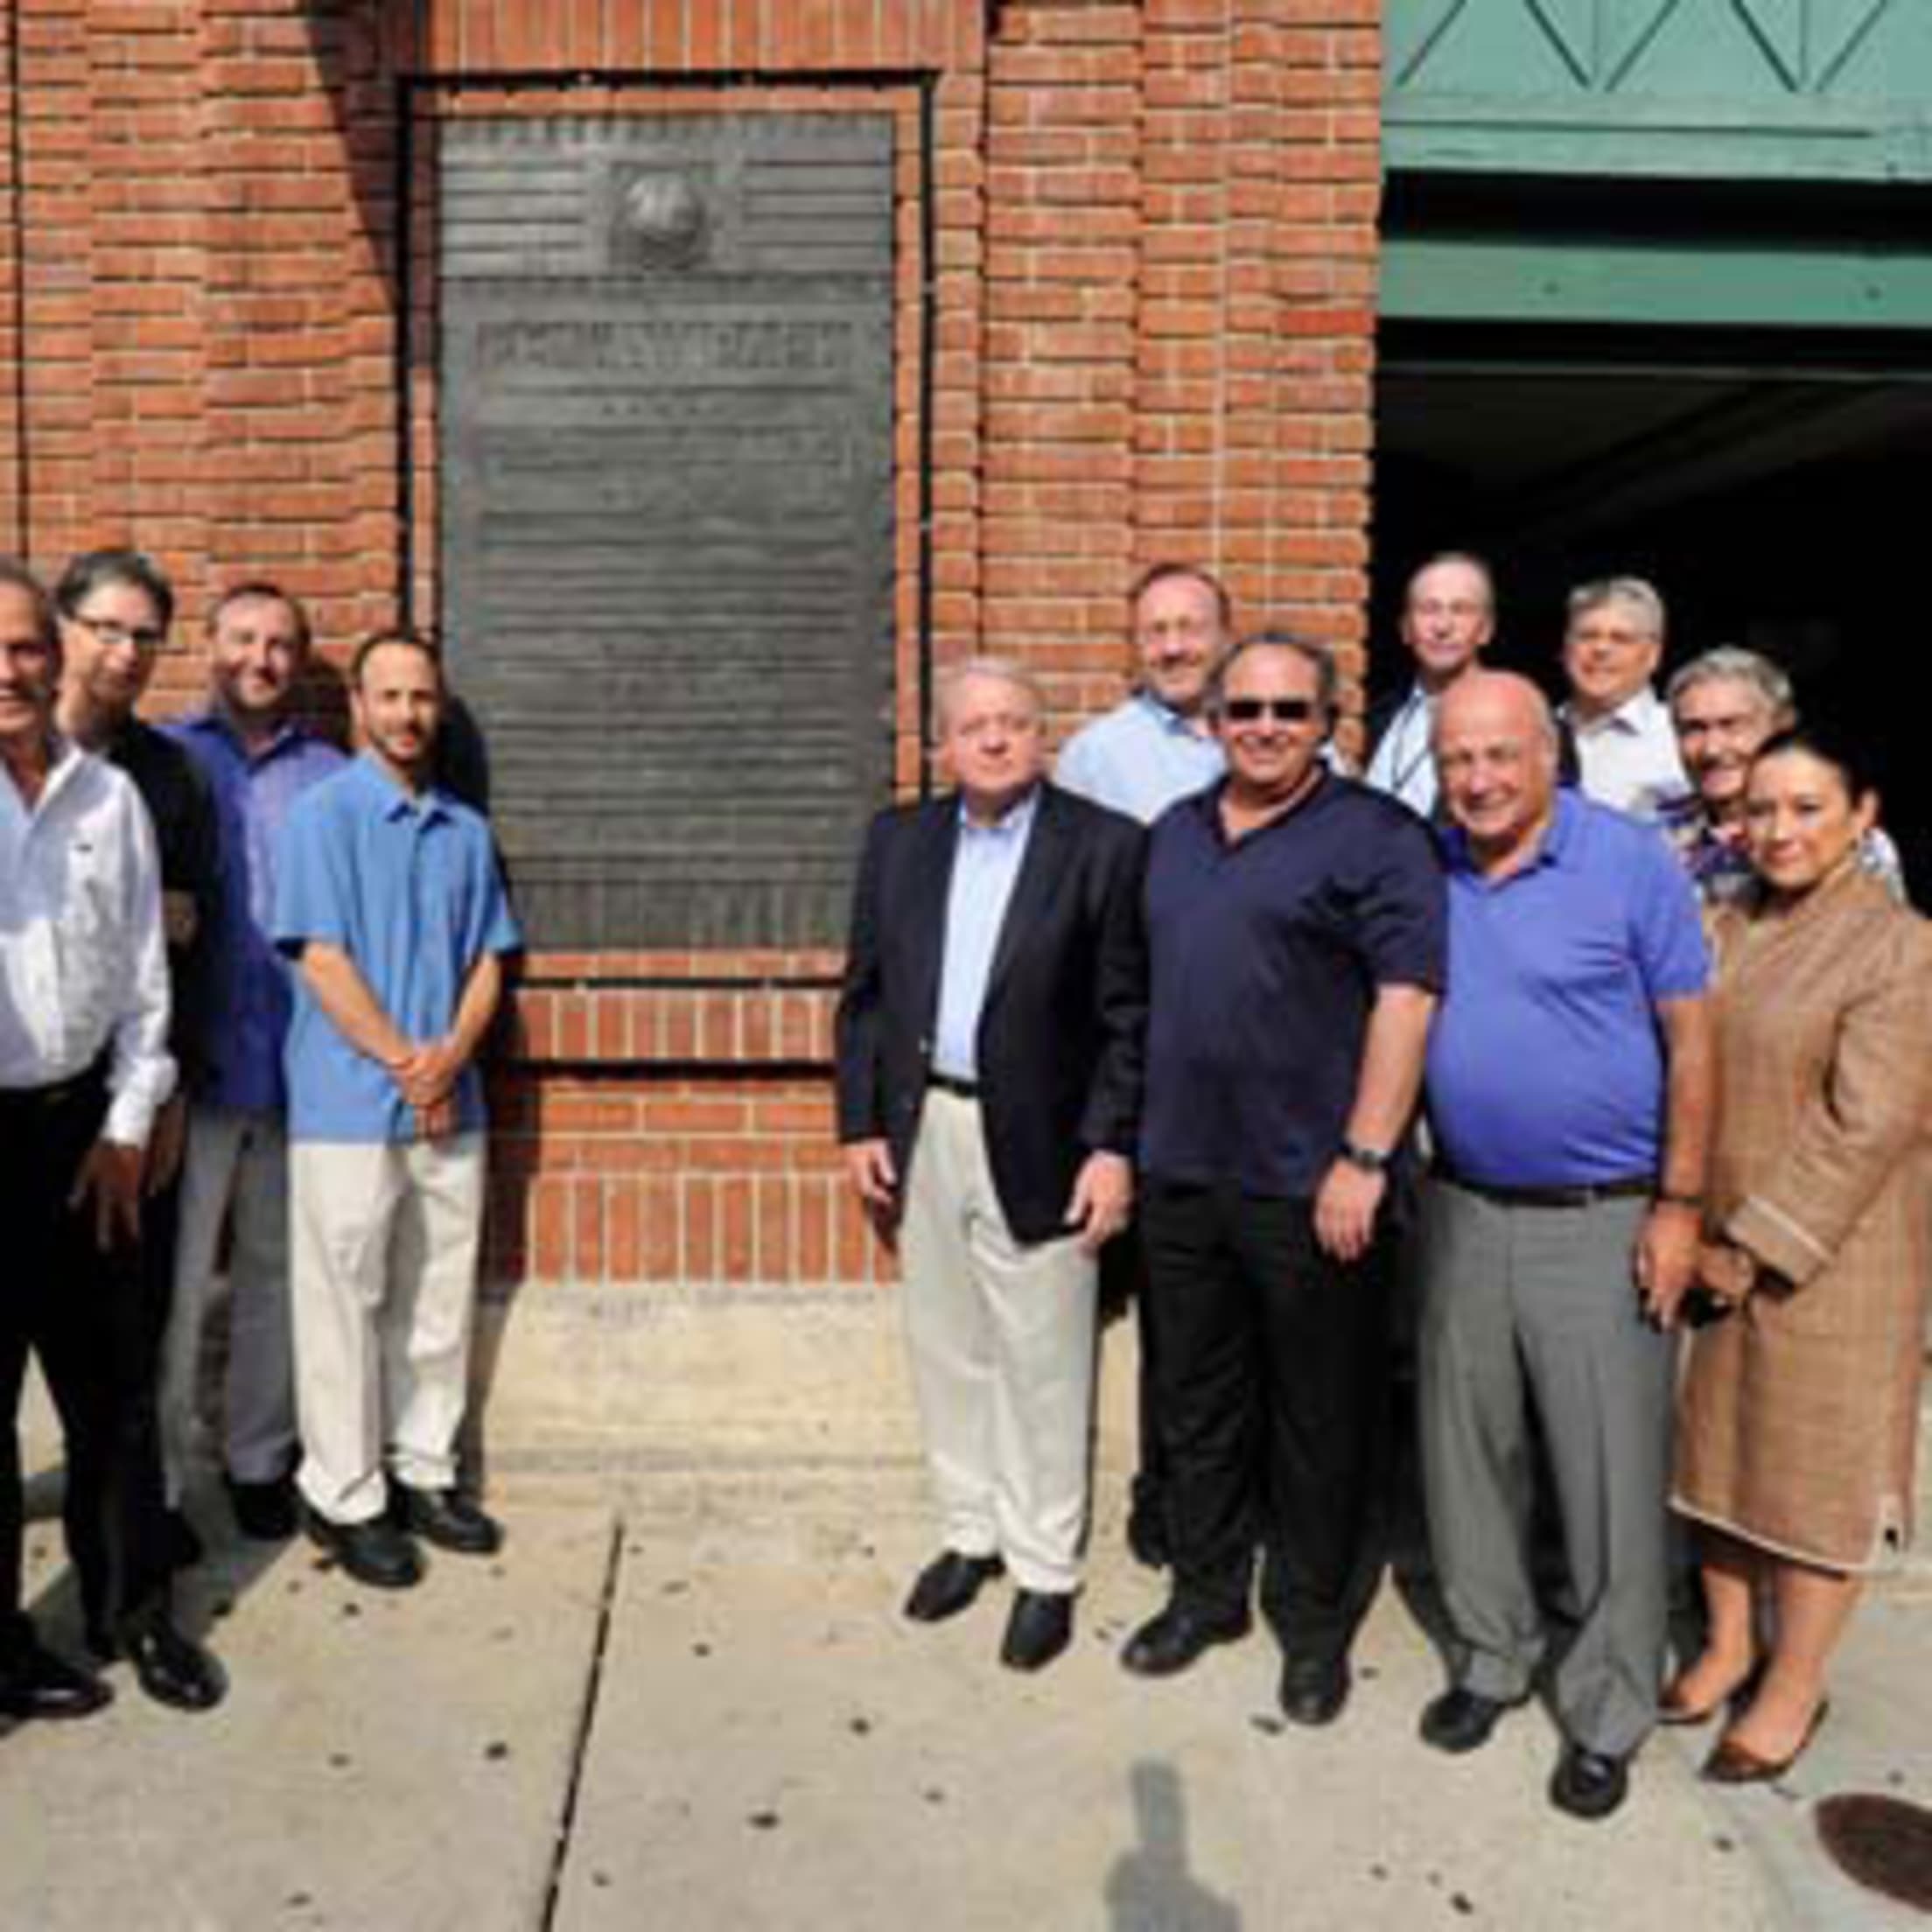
(1296, 932)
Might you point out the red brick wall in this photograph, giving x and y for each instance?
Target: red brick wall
(1154, 275)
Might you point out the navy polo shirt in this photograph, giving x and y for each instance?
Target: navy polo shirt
(1546, 1066)
(1266, 954)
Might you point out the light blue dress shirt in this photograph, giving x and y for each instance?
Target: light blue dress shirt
(1138, 759)
(986, 862)
(408, 888)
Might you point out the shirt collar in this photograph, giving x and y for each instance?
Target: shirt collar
(216, 723)
(1558, 845)
(1168, 717)
(1011, 823)
(392, 800)
(1632, 718)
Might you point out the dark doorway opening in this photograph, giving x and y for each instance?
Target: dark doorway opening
(1773, 485)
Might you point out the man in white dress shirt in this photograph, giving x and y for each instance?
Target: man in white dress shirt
(1448, 618)
(84, 1067)
(1625, 742)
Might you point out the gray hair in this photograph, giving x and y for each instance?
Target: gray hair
(1004, 670)
(1733, 664)
(1328, 677)
(1467, 560)
(1638, 593)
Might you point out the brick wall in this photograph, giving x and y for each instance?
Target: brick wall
(1153, 268)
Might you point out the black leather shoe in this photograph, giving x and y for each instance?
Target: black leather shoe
(1589, 1784)
(264, 1512)
(1461, 1721)
(449, 1519)
(169, 1668)
(1038, 1628)
(374, 1552)
(949, 1584)
(1171, 1641)
(1313, 1689)
(35, 1683)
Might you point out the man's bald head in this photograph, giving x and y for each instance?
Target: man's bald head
(1495, 742)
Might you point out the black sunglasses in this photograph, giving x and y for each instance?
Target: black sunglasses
(1283, 711)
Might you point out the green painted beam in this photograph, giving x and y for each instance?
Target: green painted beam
(1802, 141)
(1462, 278)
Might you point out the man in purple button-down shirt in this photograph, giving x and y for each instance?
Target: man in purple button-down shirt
(258, 760)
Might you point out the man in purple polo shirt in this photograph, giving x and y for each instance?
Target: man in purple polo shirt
(258, 760)
(1568, 1093)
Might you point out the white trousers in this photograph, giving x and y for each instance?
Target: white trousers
(237, 1164)
(384, 1241)
(1001, 1337)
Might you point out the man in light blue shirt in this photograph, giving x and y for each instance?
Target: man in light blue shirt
(1140, 757)
(389, 898)
(1155, 746)
(259, 760)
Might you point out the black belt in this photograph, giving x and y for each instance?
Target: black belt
(34, 1100)
(1551, 1197)
(960, 1089)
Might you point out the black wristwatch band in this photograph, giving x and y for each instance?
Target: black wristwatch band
(1366, 1158)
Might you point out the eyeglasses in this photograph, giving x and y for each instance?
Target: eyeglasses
(111, 631)
(1283, 711)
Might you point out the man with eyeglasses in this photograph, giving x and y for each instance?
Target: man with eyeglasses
(1295, 934)
(84, 1070)
(1626, 747)
(989, 1044)
(114, 607)
(1151, 749)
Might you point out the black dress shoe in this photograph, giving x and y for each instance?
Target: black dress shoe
(949, 1584)
(374, 1552)
(1589, 1784)
(171, 1668)
(1038, 1628)
(264, 1512)
(1313, 1689)
(449, 1519)
(35, 1683)
(1171, 1641)
(1462, 1719)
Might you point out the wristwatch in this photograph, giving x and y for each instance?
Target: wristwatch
(1368, 1160)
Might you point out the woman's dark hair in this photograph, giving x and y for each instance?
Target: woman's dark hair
(1846, 754)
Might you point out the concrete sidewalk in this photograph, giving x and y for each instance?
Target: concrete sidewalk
(707, 1712)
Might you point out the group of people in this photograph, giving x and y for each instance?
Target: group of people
(243, 981)
(1591, 1035)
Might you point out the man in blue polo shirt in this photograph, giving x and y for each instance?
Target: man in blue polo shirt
(1295, 931)
(1569, 1095)
(259, 760)
(389, 898)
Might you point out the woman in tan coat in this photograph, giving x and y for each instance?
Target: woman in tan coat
(1800, 1406)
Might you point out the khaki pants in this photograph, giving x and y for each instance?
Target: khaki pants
(1001, 1336)
(384, 1241)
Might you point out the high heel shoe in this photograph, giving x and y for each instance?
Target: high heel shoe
(1731, 1762)
(1673, 1709)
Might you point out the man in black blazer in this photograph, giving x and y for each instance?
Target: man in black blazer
(989, 1038)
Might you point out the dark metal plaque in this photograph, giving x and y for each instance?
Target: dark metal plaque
(667, 531)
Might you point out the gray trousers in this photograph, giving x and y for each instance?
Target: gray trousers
(1536, 1305)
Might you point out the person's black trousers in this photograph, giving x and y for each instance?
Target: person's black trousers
(92, 1319)
(1272, 1389)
